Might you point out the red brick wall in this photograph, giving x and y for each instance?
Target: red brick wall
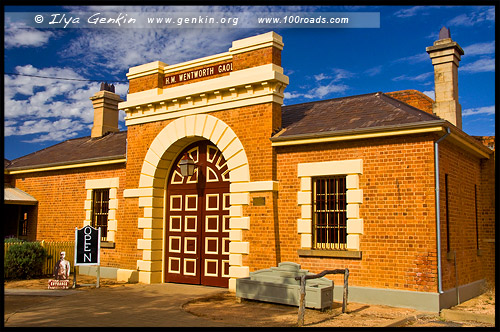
(486, 215)
(154, 81)
(414, 98)
(398, 245)
(257, 58)
(464, 171)
(61, 198)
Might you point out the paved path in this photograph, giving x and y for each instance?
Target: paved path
(136, 305)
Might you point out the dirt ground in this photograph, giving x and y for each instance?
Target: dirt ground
(358, 315)
(256, 313)
(42, 283)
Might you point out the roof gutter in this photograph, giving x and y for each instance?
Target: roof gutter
(438, 214)
(68, 164)
(363, 133)
(457, 136)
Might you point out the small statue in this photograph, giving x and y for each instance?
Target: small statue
(62, 268)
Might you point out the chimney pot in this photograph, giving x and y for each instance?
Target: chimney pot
(444, 33)
(105, 104)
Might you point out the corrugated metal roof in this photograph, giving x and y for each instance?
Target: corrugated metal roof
(17, 196)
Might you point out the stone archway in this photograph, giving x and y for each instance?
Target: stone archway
(157, 162)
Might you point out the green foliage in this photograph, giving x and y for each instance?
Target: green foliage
(12, 240)
(24, 261)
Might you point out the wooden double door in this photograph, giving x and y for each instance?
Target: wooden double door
(197, 219)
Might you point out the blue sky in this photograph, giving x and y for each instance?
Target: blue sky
(322, 63)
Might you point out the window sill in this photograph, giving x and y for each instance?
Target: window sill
(330, 253)
(106, 244)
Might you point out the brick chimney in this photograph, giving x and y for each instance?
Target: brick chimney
(445, 55)
(105, 104)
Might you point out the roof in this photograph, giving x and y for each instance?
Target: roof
(77, 150)
(368, 111)
(17, 196)
(360, 113)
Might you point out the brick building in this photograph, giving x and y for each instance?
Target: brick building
(385, 184)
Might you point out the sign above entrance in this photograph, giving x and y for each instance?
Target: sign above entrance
(199, 73)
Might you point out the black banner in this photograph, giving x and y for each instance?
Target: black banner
(87, 246)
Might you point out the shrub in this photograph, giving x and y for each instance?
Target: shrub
(24, 261)
(12, 240)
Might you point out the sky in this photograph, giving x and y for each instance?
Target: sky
(322, 62)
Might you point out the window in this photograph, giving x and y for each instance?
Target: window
(329, 213)
(100, 211)
(23, 225)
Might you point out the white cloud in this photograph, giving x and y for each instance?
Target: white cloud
(342, 74)
(318, 92)
(292, 95)
(414, 58)
(487, 110)
(419, 78)
(321, 77)
(374, 70)
(324, 90)
(480, 48)
(482, 14)
(53, 130)
(479, 66)
(18, 34)
(120, 49)
(409, 12)
(53, 110)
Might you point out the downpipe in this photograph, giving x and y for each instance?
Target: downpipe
(438, 212)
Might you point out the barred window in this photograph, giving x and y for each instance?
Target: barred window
(329, 213)
(100, 210)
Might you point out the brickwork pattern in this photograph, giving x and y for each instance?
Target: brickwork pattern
(257, 58)
(487, 219)
(414, 98)
(61, 197)
(398, 245)
(464, 171)
(153, 81)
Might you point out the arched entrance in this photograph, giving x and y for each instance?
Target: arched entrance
(197, 219)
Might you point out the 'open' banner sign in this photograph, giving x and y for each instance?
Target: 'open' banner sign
(87, 246)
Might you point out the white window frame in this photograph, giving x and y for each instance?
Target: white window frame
(352, 169)
(109, 183)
